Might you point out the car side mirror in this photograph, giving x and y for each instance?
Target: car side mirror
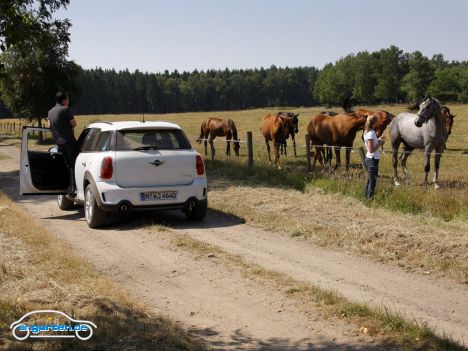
(53, 150)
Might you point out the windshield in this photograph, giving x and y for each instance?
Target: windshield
(152, 139)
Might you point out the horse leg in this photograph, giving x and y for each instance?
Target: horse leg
(348, 154)
(277, 153)
(395, 147)
(427, 165)
(403, 158)
(228, 143)
(294, 144)
(213, 151)
(206, 146)
(338, 157)
(437, 158)
(268, 149)
(317, 156)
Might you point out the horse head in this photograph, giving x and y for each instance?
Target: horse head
(428, 108)
(294, 121)
(448, 119)
(236, 146)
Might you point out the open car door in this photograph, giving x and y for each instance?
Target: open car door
(42, 168)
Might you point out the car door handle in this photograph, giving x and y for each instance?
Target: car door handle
(83, 163)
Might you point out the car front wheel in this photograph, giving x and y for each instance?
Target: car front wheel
(65, 204)
(197, 212)
(95, 216)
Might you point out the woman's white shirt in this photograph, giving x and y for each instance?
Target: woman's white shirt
(371, 135)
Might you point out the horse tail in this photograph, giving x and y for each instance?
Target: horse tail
(202, 132)
(232, 127)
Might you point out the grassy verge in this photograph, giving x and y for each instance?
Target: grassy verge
(449, 204)
(38, 271)
(389, 326)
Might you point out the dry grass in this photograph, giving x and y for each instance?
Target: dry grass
(38, 271)
(451, 203)
(416, 242)
(389, 326)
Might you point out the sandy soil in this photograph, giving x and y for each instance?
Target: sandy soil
(226, 309)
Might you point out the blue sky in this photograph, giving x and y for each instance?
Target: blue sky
(155, 35)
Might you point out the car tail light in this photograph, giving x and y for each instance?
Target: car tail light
(200, 165)
(106, 168)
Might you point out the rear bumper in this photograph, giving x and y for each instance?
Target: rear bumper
(113, 198)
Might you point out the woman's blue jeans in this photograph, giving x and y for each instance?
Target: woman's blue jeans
(372, 173)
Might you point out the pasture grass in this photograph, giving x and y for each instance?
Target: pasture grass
(449, 204)
(389, 326)
(39, 271)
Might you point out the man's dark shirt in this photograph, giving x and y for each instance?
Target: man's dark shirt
(60, 117)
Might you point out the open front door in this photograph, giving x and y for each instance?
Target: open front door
(42, 171)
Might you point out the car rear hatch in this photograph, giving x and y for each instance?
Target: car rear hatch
(153, 158)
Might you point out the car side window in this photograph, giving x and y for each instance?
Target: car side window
(89, 143)
(104, 142)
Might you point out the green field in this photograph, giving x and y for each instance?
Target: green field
(450, 203)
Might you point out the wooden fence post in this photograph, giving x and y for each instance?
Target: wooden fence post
(309, 163)
(250, 161)
(363, 158)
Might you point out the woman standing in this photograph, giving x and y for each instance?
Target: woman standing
(373, 155)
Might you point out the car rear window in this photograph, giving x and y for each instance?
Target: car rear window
(158, 139)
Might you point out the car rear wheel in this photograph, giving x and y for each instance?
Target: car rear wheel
(65, 204)
(95, 216)
(197, 212)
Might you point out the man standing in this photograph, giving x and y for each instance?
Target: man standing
(62, 122)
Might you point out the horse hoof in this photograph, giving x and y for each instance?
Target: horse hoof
(436, 186)
(397, 183)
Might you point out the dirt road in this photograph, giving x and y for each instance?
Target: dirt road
(226, 309)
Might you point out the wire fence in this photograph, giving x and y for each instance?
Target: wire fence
(253, 152)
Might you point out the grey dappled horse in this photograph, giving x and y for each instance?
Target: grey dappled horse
(424, 130)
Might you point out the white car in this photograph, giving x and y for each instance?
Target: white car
(121, 166)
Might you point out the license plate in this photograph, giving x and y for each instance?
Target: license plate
(158, 195)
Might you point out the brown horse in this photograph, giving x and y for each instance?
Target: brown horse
(383, 119)
(337, 131)
(449, 118)
(213, 127)
(275, 128)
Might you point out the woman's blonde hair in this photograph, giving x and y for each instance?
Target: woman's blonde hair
(370, 122)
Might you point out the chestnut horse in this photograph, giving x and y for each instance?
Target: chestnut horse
(337, 131)
(213, 127)
(383, 120)
(275, 128)
(449, 118)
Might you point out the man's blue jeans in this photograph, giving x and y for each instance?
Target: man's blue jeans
(372, 173)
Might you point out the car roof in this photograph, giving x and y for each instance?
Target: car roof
(134, 125)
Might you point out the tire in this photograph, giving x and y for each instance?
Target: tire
(64, 203)
(198, 212)
(95, 216)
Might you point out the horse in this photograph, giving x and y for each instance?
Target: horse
(213, 127)
(293, 130)
(424, 130)
(337, 131)
(449, 118)
(383, 119)
(275, 128)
